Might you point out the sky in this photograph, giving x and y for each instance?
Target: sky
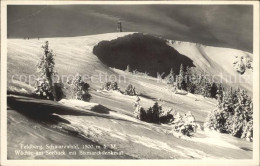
(215, 25)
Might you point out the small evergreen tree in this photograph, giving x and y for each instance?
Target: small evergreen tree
(184, 124)
(181, 73)
(44, 83)
(114, 86)
(110, 86)
(79, 88)
(106, 86)
(170, 79)
(128, 68)
(207, 88)
(233, 114)
(196, 82)
(130, 90)
(181, 84)
(190, 85)
(220, 93)
(155, 112)
(213, 90)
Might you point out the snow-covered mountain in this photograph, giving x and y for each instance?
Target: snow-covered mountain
(114, 124)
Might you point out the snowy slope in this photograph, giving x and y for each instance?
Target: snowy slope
(113, 123)
(136, 139)
(214, 60)
(73, 55)
(219, 62)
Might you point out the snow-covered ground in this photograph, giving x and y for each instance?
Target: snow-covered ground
(218, 62)
(108, 117)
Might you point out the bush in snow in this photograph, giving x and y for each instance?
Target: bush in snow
(130, 90)
(43, 88)
(248, 131)
(106, 86)
(233, 115)
(114, 86)
(58, 92)
(152, 113)
(140, 113)
(149, 115)
(166, 116)
(110, 86)
(181, 124)
(184, 124)
(239, 65)
(79, 88)
(249, 64)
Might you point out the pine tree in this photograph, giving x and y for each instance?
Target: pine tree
(170, 79)
(205, 86)
(189, 80)
(220, 92)
(181, 73)
(181, 79)
(128, 68)
(196, 82)
(44, 83)
(213, 90)
(233, 114)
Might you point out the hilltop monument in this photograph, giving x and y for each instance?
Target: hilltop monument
(119, 26)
